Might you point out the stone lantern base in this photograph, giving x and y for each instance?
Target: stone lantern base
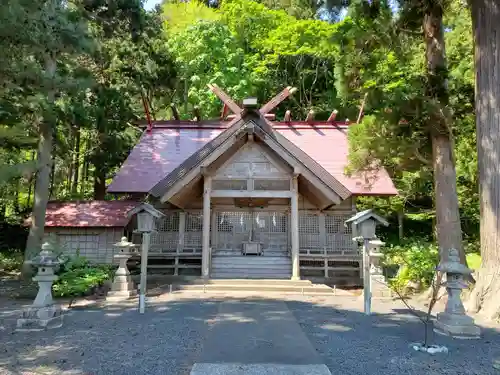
(123, 286)
(459, 326)
(380, 289)
(40, 318)
(118, 294)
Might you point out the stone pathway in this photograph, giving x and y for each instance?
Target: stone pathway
(183, 334)
(257, 337)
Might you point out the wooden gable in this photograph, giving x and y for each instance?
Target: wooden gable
(252, 161)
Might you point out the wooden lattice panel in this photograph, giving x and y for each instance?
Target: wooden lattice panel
(194, 231)
(233, 228)
(338, 236)
(309, 233)
(166, 237)
(271, 230)
(229, 184)
(272, 185)
(268, 228)
(80, 242)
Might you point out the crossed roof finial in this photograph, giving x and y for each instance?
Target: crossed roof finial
(266, 108)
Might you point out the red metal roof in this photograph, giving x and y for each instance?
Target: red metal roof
(157, 154)
(171, 142)
(88, 213)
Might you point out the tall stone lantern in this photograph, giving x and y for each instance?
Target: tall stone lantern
(43, 313)
(123, 286)
(378, 287)
(146, 217)
(453, 321)
(363, 226)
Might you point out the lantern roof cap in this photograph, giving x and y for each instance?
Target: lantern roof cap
(366, 215)
(46, 258)
(147, 208)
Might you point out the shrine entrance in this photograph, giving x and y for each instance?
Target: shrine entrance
(251, 232)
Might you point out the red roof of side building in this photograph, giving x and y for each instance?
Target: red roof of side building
(88, 213)
(163, 149)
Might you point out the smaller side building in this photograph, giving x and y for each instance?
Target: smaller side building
(89, 228)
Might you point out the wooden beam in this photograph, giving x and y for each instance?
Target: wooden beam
(274, 102)
(196, 113)
(175, 112)
(268, 116)
(310, 116)
(250, 194)
(205, 252)
(224, 111)
(288, 116)
(332, 116)
(226, 99)
(362, 108)
(294, 228)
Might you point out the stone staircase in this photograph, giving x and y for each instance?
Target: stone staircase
(251, 267)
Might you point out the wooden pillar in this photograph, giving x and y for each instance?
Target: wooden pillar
(205, 255)
(180, 242)
(322, 240)
(294, 227)
(213, 237)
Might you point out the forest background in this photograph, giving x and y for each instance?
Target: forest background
(76, 75)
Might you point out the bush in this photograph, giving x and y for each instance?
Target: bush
(416, 260)
(11, 261)
(78, 276)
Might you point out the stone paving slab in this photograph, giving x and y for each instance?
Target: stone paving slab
(258, 369)
(257, 331)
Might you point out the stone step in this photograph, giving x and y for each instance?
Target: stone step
(250, 286)
(254, 282)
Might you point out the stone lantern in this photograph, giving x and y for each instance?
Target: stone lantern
(453, 321)
(123, 286)
(379, 287)
(146, 217)
(363, 226)
(43, 313)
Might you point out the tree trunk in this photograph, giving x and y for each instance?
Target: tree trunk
(449, 233)
(44, 161)
(485, 21)
(401, 216)
(30, 182)
(52, 179)
(76, 167)
(16, 195)
(99, 183)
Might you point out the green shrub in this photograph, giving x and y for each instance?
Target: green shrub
(11, 261)
(78, 276)
(417, 261)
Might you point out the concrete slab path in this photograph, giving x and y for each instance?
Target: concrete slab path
(257, 337)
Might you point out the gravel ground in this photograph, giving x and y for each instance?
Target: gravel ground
(353, 343)
(169, 339)
(165, 340)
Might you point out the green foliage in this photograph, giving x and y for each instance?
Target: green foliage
(78, 276)
(416, 260)
(474, 261)
(11, 261)
(206, 52)
(181, 15)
